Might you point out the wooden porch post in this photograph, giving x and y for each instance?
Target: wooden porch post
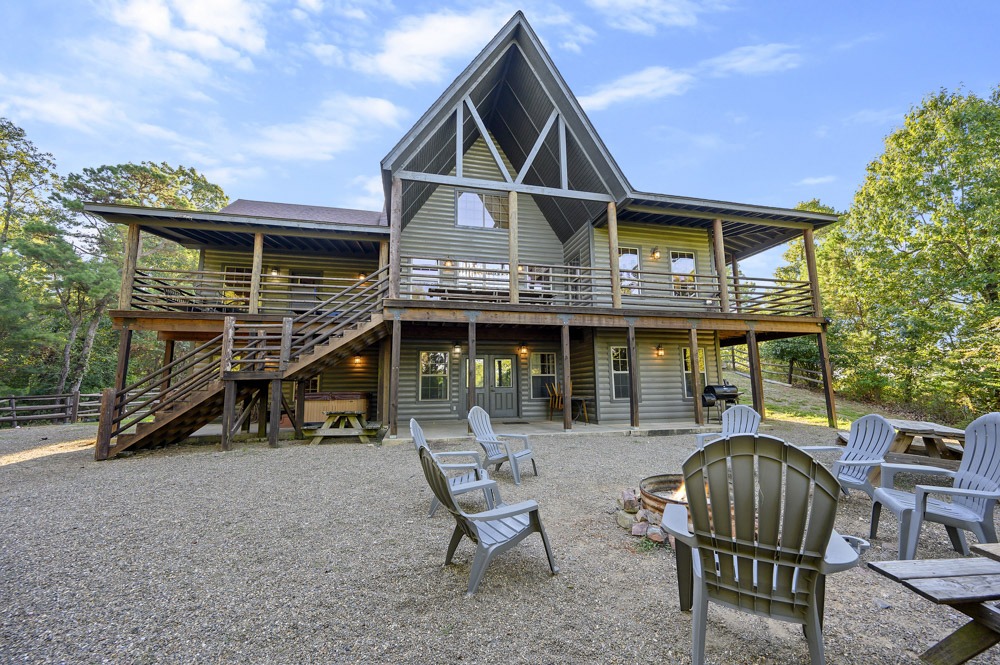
(168, 357)
(395, 230)
(470, 397)
(383, 383)
(696, 387)
(824, 359)
(102, 449)
(756, 379)
(736, 283)
(275, 418)
(720, 265)
(810, 252)
(566, 379)
(397, 330)
(258, 266)
(300, 406)
(128, 270)
(228, 415)
(512, 245)
(124, 354)
(633, 377)
(262, 410)
(616, 275)
(383, 254)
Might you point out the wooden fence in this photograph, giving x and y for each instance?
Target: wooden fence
(17, 410)
(789, 373)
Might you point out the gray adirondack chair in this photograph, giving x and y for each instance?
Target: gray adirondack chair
(497, 450)
(494, 531)
(737, 419)
(866, 447)
(471, 477)
(974, 493)
(771, 541)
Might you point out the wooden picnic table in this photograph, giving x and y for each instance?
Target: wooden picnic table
(345, 423)
(967, 585)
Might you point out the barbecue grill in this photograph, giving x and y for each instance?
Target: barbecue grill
(721, 396)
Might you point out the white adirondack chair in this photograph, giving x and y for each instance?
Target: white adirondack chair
(494, 531)
(471, 477)
(866, 447)
(974, 493)
(497, 450)
(737, 419)
(771, 557)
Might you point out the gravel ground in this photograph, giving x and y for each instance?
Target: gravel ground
(324, 554)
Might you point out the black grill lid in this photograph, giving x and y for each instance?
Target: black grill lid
(722, 391)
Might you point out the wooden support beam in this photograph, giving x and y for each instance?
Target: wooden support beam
(470, 399)
(102, 448)
(487, 139)
(539, 142)
(563, 163)
(501, 186)
(300, 406)
(132, 245)
(382, 410)
(512, 245)
(696, 214)
(168, 357)
(124, 355)
(228, 415)
(720, 264)
(258, 266)
(616, 275)
(397, 334)
(696, 387)
(567, 380)
(736, 284)
(810, 252)
(633, 378)
(395, 231)
(262, 410)
(756, 378)
(824, 360)
(459, 138)
(275, 416)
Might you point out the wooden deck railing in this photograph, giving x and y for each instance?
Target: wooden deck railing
(758, 295)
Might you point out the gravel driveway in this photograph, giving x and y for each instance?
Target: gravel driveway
(325, 554)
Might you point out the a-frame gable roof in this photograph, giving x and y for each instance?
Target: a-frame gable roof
(512, 91)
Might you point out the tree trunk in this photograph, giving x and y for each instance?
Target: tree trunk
(67, 353)
(88, 345)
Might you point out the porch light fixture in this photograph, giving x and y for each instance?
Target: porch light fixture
(457, 348)
(522, 349)
(655, 254)
(274, 272)
(659, 350)
(361, 275)
(357, 360)
(448, 263)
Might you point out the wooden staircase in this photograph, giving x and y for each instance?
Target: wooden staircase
(171, 404)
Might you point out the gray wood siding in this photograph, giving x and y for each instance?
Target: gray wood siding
(579, 245)
(432, 232)
(330, 266)
(661, 393)
(581, 367)
(667, 238)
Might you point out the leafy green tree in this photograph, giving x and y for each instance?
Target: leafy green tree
(26, 176)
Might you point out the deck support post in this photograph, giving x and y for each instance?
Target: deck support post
(512, 235)
(124, 354)
(168, 357)
(824, 362)
(395, 231)
(720, 265)
(128, 270)
(616, 275)
(470, 376)
(102, 449)
(736, 283)
(228, 415)
(566, 379)
(262, 410)
(258, 267)
(397, 333)
(275, 417)
(756, 379)
(633, 377)
(696, 387)
(300, 406)
(810, 252)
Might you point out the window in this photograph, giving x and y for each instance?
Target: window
(503, 373)
(483, 211)
(312, 386)
(236, 285)
(628, 268)
(688, 388)
(433, 375)
(682, 267)
(480, 373)
(542, 368)
(620, 388)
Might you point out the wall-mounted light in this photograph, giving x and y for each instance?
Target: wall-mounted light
(655, 254)
(274, 272)
(659, 350)
(361, 275)
(522, 348)
(448, 263)
(457, 348)
(357, 360)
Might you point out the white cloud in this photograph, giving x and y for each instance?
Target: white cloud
(359, 10)
(230, 176)
(45, 100)
(817, 180)
(758, 59)
(645, 16)
(311, 6)
(369, 194)
(650, 83)
(419, 49)
(328, 54)
(875, 117)
(338, 124)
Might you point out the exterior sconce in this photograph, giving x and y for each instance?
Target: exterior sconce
(361, 275)
(357, 360)
(448, 263)
(659, 350)
(274, 272)
(522, 349)
(655, 254)
(457, 348)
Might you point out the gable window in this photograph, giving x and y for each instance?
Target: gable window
(481, 211)
(682, 269)
(433, 375)
(628, 268)
(542, 369)
(688, 387)
(620, 388)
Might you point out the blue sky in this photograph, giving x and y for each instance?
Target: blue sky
(297, 100)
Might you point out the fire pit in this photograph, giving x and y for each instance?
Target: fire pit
(658, 491)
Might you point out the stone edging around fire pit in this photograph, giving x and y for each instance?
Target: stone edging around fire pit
(636, 519)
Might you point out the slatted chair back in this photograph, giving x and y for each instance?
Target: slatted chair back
(762, 513)
(417, 432)
(438, 482)
(740, 419)
(479, 420)
(980, 466)
(869, 439)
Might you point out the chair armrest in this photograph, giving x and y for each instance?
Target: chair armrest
(521, 437)
(922, 490)
(461, 453)
(822, 448)
(469, 466)
(865, 462)
(505, 511)
(675, 522)
(889, 472)
(839, 555)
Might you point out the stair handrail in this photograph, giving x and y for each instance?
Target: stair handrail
(316, 329)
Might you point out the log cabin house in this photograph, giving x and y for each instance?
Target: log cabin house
(509, 236)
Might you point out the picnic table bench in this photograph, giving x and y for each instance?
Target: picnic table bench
(344, 423)
(967, 585)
